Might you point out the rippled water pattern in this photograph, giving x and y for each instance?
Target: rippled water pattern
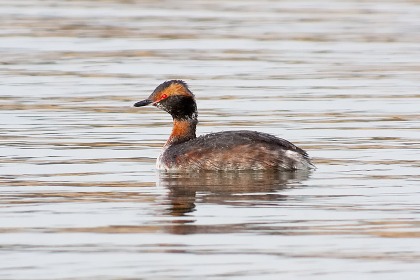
(80, 197)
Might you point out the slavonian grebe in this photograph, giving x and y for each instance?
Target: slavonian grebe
(227, 150)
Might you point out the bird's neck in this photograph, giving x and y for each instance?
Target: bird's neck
(183, 130)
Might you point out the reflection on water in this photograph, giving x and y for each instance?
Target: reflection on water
(255, 188)
(225, 186)
(79, 195)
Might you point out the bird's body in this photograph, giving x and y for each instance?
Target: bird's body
(233, 150)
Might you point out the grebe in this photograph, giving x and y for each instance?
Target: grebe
(227, 150)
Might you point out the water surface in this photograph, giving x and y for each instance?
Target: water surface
(80, 197)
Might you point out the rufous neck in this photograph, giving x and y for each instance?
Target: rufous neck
(183, 130)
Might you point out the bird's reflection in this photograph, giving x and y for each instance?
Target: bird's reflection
(220, 187)
(186, 190)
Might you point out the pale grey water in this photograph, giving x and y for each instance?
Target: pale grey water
(79, 195)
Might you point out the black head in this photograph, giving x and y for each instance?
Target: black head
(173, 97)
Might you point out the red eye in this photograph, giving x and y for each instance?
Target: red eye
(163, 96)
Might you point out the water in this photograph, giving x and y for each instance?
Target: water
(80, 198)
